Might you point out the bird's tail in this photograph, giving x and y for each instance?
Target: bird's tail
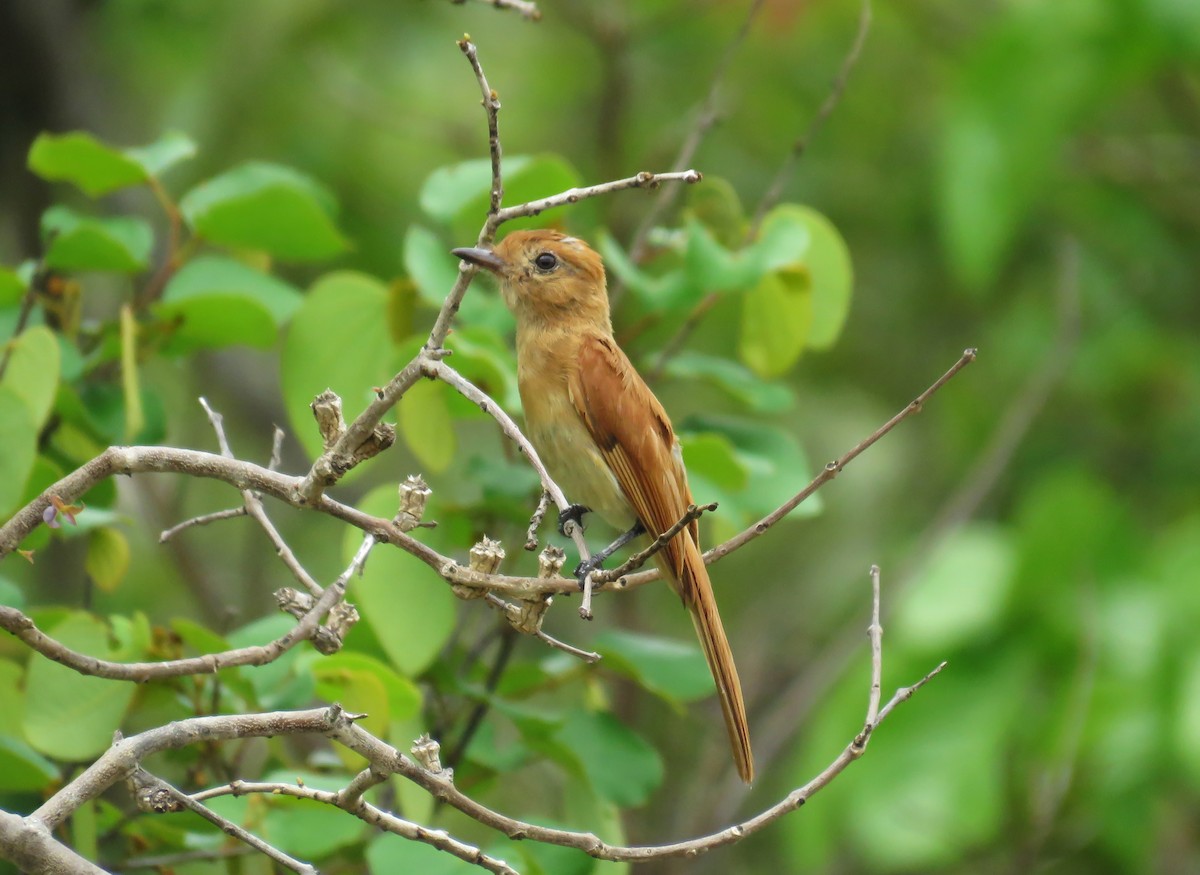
(707, 620)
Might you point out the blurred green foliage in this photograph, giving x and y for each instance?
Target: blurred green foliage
(1020, 177)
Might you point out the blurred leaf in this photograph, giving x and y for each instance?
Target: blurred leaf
(12, 288)
(738, 381)
(429, 262)
(393, 853)
(79, 158)
(714, 457)
(409, 607)
(108, 558)
(777, 318)
(163, 154)
(1038, 70)
(425, 422)
(18, 437)
(131, 384)
(827, 261)
(672, 669)
(12, 676)
(619, 764)
(776, 470)
(69, 716)
(33, 371)
(458, 195)
(278, 684)
(268, 207)
(487, 360)
(220, 302)
(961, 594)
(342, 311)
(716, 205)
(78, 242)
(365, 685)
(303, 827)
(22, 769)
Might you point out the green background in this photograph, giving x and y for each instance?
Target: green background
(1021, 177)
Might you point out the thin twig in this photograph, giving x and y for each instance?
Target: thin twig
(875, 632)
(535, 521)
(232, 829)
(645, 179)
(215, 516)
(506, 608)
(641, 557)
(775, 190)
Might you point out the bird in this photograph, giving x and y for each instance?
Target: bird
(602, 434)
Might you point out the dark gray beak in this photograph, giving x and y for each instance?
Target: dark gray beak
(482, 257)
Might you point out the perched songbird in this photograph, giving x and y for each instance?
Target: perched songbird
(600, 431)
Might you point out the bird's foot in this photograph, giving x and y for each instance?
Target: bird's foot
(573, 514)
(588, 566)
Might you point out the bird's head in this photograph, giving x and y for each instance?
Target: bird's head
(545, 276)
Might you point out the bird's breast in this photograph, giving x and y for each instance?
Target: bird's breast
(563, 442)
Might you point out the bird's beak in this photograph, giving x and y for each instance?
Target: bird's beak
(482, 257)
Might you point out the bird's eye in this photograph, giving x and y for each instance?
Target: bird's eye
(546, 261)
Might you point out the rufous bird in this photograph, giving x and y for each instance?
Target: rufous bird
(603, 436)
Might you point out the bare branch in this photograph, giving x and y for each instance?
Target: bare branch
(535, 521)
(645, 179)
(775, 190)
(215, 516)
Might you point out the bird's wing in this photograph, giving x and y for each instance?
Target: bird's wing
(635, 438)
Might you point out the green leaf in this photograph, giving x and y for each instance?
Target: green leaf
(485, 358)
(22, 769)
(108, 557)
(12, 288)
(776, 469)
(79, 158)
(734, 378)
(69, 716)
(12, 676)
(621, 766)
(429, 262)
(221, 302)
(18, 437)
(425, 422)
(408, 606)
(33, 371)
(717, 206)
(1033, 76)
(163, 154)
(459, 195)
(269, 207)
(344, 311)
(365, 685)
(278, 684)
(777, 317)
(714, 457)
(827, 260)
(960, 595)
(304, 828)
(78, 242)
(674, 670)
(393, 853)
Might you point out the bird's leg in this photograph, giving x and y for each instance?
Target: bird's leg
(573, 514)
(583, 569)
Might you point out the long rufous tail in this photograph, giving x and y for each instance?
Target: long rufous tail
(707, 620)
